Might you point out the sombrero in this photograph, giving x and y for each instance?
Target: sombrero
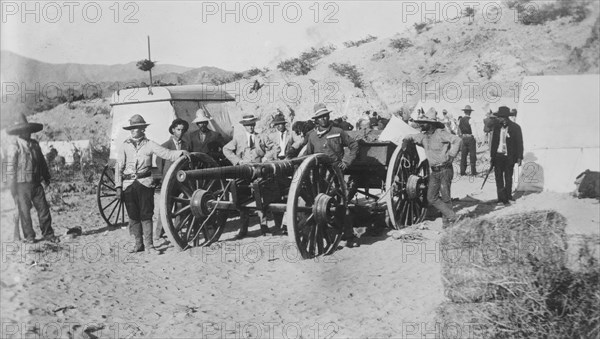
(22, 126)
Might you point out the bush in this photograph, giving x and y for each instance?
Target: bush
(530, 13)
(400, 44)
(305, 63)
(421, 27)
(350, 72)
(486, 69)
(368, 39)
(469, 12)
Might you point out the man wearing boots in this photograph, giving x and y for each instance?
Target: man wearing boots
(26, 170)
(506, 150)
(441, 148)
(133, 180)
(469, 145)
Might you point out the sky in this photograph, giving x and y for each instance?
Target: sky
(231, 35)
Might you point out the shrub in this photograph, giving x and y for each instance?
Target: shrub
(368, 39)
(400, 44)
(305, 63)
(421, 27)
(486, 69)
(469, 12)
(530, 13)
(350, 72)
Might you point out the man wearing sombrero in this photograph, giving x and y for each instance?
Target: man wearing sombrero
(133, 180)
(331, 140)
(26, 171)
(247, 147)
(440, 148)
(506, 150)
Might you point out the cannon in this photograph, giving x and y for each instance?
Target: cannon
(198, 197)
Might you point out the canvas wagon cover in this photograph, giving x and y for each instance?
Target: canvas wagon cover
(161, 105)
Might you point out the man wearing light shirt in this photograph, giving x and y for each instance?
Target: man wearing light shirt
(506, 150)
(441, 148)
(133, 180)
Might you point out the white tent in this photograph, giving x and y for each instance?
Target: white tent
(560, 120)
(396, 130)
(480, 108)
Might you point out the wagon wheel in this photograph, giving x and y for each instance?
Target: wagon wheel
(110, 206)
(406, 181)
(183, 227)
(316, 207)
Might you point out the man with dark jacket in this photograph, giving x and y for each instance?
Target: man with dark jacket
(331, 141)
(203, 137)
(469, 145)
(506, 150)
(27, 174)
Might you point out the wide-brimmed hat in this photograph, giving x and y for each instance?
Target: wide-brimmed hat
(249, 119)
(467, 108)
(200, 117)
(279, 119)
(503, 112)
(320, 110)
(136, 121)
(431, 118)
(21, 125)
(178, 122)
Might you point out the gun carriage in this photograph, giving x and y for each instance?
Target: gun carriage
(197, 196)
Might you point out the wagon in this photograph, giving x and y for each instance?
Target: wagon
(198, 197)
(159, 106)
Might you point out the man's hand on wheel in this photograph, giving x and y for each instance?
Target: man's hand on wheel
(342, 165)
(187, 155)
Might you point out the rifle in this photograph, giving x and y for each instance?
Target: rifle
(487, 175)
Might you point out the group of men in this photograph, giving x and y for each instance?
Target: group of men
(442, 146)
(27, 172)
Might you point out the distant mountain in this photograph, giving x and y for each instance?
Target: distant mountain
(17, 68)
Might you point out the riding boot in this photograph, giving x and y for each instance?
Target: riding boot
(245, 222)
(148, 243)
(135, 229)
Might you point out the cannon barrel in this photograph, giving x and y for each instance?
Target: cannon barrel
(246, 171)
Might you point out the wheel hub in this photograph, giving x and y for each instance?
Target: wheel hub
(199, 203)
(412, 186)
(324, 209)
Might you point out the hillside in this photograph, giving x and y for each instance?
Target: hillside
(472, 54)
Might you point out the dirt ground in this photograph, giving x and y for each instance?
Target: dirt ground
(90, 287)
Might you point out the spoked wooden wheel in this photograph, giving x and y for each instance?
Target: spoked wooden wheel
(406, 180)
(111, 207)
(316, 207)
(183, 224)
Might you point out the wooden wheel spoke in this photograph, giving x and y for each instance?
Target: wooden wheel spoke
(110, 203)
(184, 209)
(113, 209)
(182, 222)
(112, 188)
(108, 195)
(180, 200)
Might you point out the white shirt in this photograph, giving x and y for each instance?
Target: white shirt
(282, 143)
(502, 144)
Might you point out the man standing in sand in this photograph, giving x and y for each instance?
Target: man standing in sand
(506, 150)
(441, 148)
(469, 145)
(133, 180)
(331, 141)
(27, 175)
(177, 129)
(247, 147)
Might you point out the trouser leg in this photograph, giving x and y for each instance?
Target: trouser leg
(473, 155)
(23, 199)
(158, 231)
(499, 170)
(135, 228)
(147, 235)
(244, 222)
(439, 183)
(40, 203)
(464, 149)
(508, 179)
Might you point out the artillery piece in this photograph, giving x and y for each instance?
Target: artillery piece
(197, 196)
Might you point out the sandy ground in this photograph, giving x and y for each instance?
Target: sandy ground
(90, 287)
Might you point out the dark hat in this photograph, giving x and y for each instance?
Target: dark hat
(513, 112)
(431, 118)
(279, 119)
(136, 121)
(467, 108)
(503, 112)
(178, 122)
(249, 119)
(320, 110)
(21, 125)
